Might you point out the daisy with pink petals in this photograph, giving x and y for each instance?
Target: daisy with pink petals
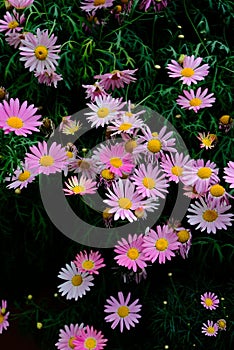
(189, 72)
(95, 90)
(80, 186)
(47, 160)
(4, 324)
(15, 39)
(20, 4)
(39, 52)
(48, 78)
(160, 244)
(196, 100)
(90, 339)
(89, 262)
(210, 301)
(68, 335)
(184, 236)
(229, 174)
(116, 78)
(218, 194)
(125, 125)
(173, 165)
(22, 176)
(210, 329)
(209, 216)
(120, 312)
(150, 181)
(129, 252)
(11, 22)
(93, 5)
(190, 192)
(21, 119)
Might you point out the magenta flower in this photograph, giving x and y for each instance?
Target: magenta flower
(229, 174)
(189, 72)
(21, 119)
(89, 262)
(4, 324)
(196, 99)
(210, 301)
(68, 335)
(116, 79)
(210, 329)
(157, 5)
(22, 177)
(80, 186)
(173, 165)
(20, 4)
(89, 339)
(11, 22)
(122, 313)
(93, 5)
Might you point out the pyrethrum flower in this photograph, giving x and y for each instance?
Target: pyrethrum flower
(21, 119)
(122, 313)
(89, 262)
(39, 52)
(221, 323)
(11, 23)
(173, 165)
(125, 125)
(116, 78)
(95, 90)
(189, 72)
(4, 324)
(210, 329)
(93, 5)
(20, 4)
(208, 141)
(229, 174)
(196, 100)
(84, 166)
(90, 339)
(22, 177)
(209, 216)
(48, 78)
(77, 282)
(210, 301)
(44, 160)
(157, 5)
(68, 335)
(80, 186)
(184, 236)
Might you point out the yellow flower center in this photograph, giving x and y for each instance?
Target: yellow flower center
(125, 126)
(88, 264)
(217, 190)
(148, 182)
(103, 112)
(70, 343)
(24, 175)
(77, 280)
(210, 330)
(99, 2)
(41, 52)
(69, 154)
(225, 119)
(183, 236)
(195, 102)
(46, 161)
(130, 145)
(177, 170)
(90, 343)
(107, 174)
(187, 72)
(208, 302)
(13, 24)
(221, 324)
(154, 146)
(207, 141)
(3, 311)
(125, 203)
(83, 164)
(15, 122)
(78, 189)
(210, 215)
(161, 244)
(116, 162)
(133, 253)
(123, 311)
(1, 318)
(204, 173)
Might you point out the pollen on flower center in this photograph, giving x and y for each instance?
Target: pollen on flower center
(123, 311)
(70, 342)
(46, 161)
(210, 215)
(125, 126)
(204, 173)
(77, 280)
(69, 154)
(187, 72)
(78, 189)
(107, 174)
(210, 330)
(161, 244)
(195, 102)
(217, 190)
(88, 264)
(177, 170)
(154, 146)
(41, 52)
(208, 302)
(24, 175)
(183, 236)
(130, 145)
(13, 24)
(148, 182)
(90, 343)
(116, 162)
(133, 253)
(125, 203)
(99, 2)
(15, 122)
(103, 112)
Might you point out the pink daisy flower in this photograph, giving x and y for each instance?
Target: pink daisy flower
(20, 4)
(120, 312)
(157, 5)
(160, 244)
(218, 194)
(11, 22)
(15, 39)
(210, 329)
(44, 160)
(190, 192)
(77, 282)
(90, 339)
(68, 335)
(4, 324)
(84, 166)
(229, 174)
(48, 78)
(93, 5)
(89, 262)
(22, 176)
(196, 99)
(209, 216)
(116, 79)
(173, 165)
(39, 52)
(189, 72)
(105, 109)
(129, 253)
(201, 175)
(208, 140)
(80, 186)
(125, 125)
(149, 181)
(184, 236)
(210, 301)
(21, 119)
(123, 200)
(95, 90)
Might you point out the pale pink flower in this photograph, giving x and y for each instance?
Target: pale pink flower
(125, 125)
(22, 176)
(93, 5)
(89, 339)
(116, 78)
(15, 39)
(218, 194)
(80, 186)
(48, 78)
(229, 174)
(95, 90)
(89, 262)
(190, 192)
(196, 100)
(4, 324)
(173, 165)
(68, 335)
(210, 301)
(210, 329)
(11, 22)
(20, 4)
(65, 122)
